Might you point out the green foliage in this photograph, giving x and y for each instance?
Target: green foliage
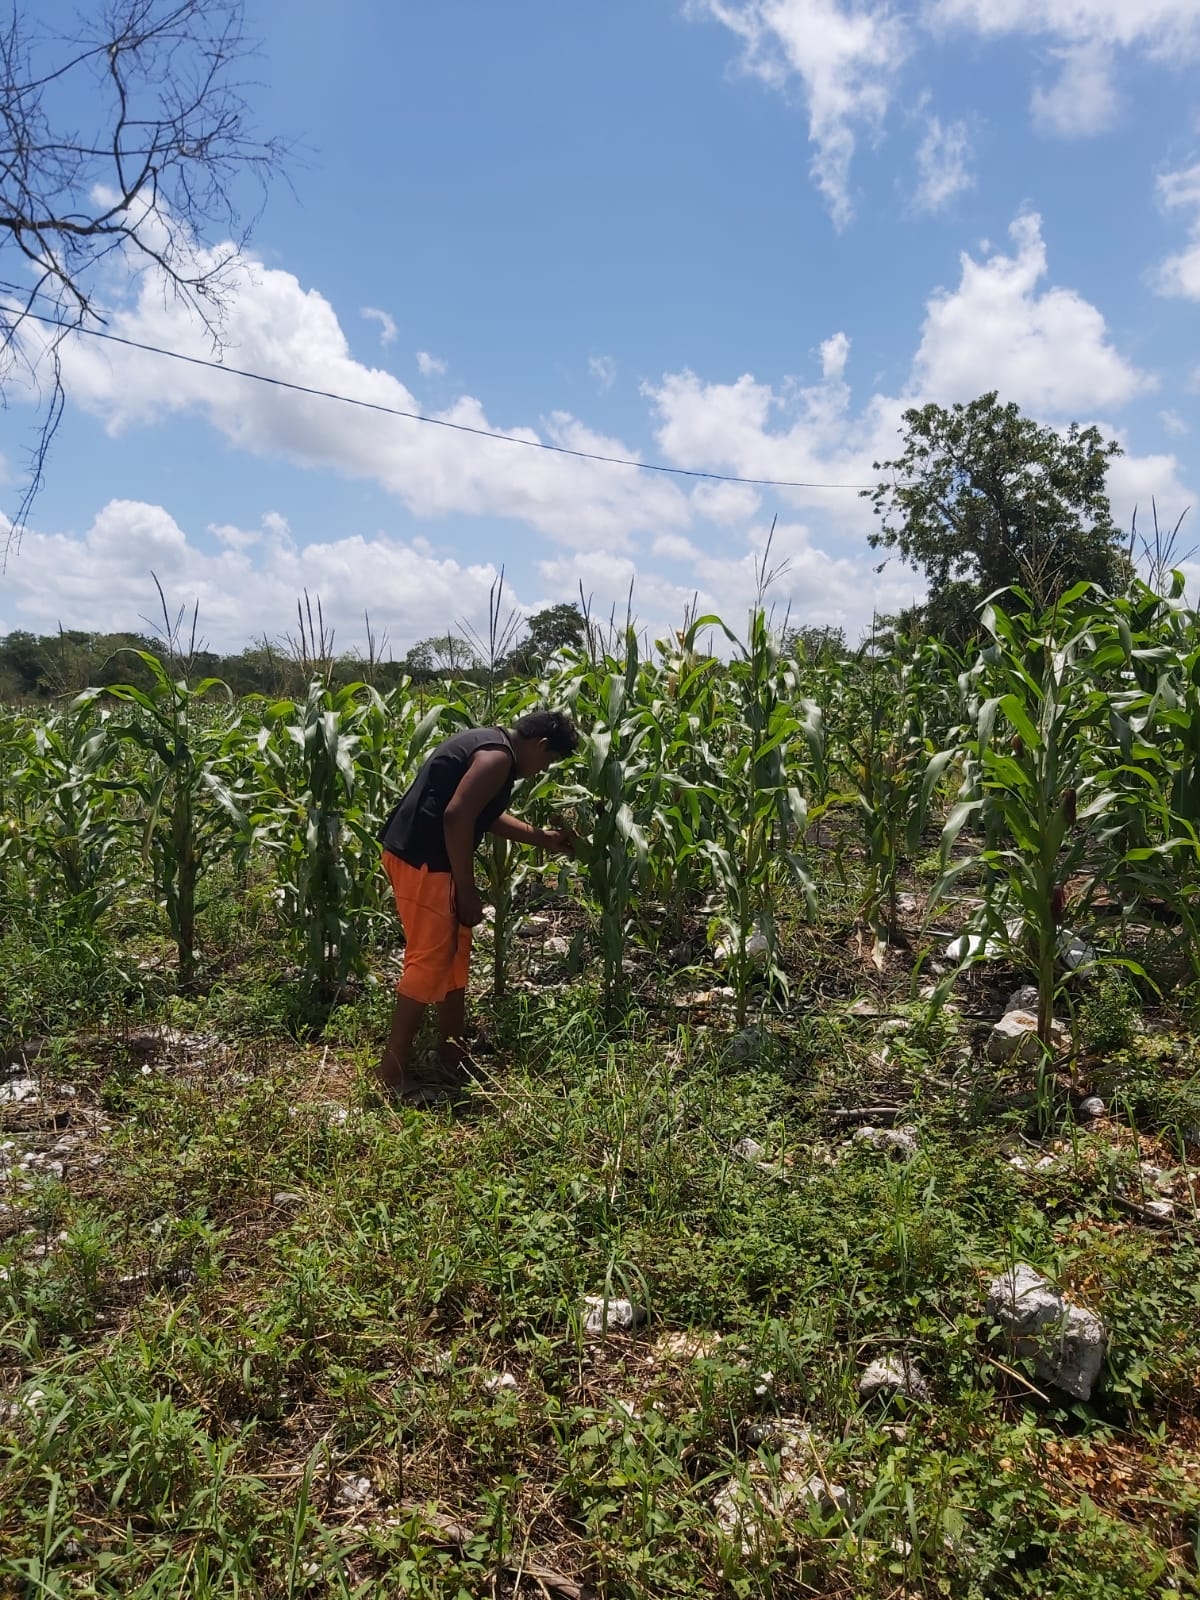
(982, 498)
(190, 790)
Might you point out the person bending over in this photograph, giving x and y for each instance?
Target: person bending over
(429, 843)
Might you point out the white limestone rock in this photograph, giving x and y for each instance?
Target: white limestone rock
(610, 1316)
(1073, 951)
(18, 1089)
(1023, 999)
(1066, 1341)
(900, 1143)
(891, 1375)
(353, 1491)
(1014, 1038)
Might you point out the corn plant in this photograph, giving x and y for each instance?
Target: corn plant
(1038, 740)
(1155, 722)
(760, 817)
(75, 825)
(623, 774)
(308, 788)
(890, 769)
(189, 787)
(500, 702)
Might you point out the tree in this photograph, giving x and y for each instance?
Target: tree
(444, 655)
(127, 138)
(983, 497)
(552, 629)
(814, 641)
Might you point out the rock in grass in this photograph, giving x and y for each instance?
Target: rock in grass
(1014, 1039)
(1023, 999)
(746, 1045)
(743, 1516)
(752, 1515)
(757, 946)
(831, 1499)
(1066, 1341)
(1091, 1108)
(1073, 951)
(891, 1375)
(900, 1143)
(788, 1436)
(972, 946)
(18, 1089)
(611, 1316)
(749, 1150)
(353, 1491)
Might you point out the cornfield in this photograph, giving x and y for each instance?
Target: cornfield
(1056, 769)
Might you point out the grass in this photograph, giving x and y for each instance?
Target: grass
(253, 1286)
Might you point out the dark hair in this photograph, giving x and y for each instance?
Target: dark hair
(555, 727)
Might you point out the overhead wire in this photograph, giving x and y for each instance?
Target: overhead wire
(437, 422)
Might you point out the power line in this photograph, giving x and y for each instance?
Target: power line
(437, 422)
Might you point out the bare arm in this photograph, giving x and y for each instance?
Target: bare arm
(481, 783)
(557, 840)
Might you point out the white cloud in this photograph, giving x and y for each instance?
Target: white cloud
(834, 353)
(387, 323)
(1160, 27)
(247, 587)
(276, 327)
(943, 165)
(726, 504)
(813, 585)
(1179, 274)
(1173, 424)
(846, 54)
(1087, 34)
(430, 366)
(1049, 350)
(1083, 99)
(604, 370)
(1141, 486)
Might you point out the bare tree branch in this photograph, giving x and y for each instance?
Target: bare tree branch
(161, 168)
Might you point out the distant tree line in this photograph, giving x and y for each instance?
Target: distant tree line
(50, 666)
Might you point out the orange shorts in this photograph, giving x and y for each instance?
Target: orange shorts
(437, 948)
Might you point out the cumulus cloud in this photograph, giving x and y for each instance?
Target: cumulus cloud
(1003, 326)
(813, 584)
(245, 587)
(276, 327)
(943, 165)
(1046, 348)
(387, 323)
(1179, 274)
(430, 366)
(845, 53)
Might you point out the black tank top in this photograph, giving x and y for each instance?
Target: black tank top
(415, 831)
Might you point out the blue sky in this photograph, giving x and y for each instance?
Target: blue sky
(737, 236)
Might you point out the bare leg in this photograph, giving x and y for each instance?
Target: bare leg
(452, 1024)
(406, 1019)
